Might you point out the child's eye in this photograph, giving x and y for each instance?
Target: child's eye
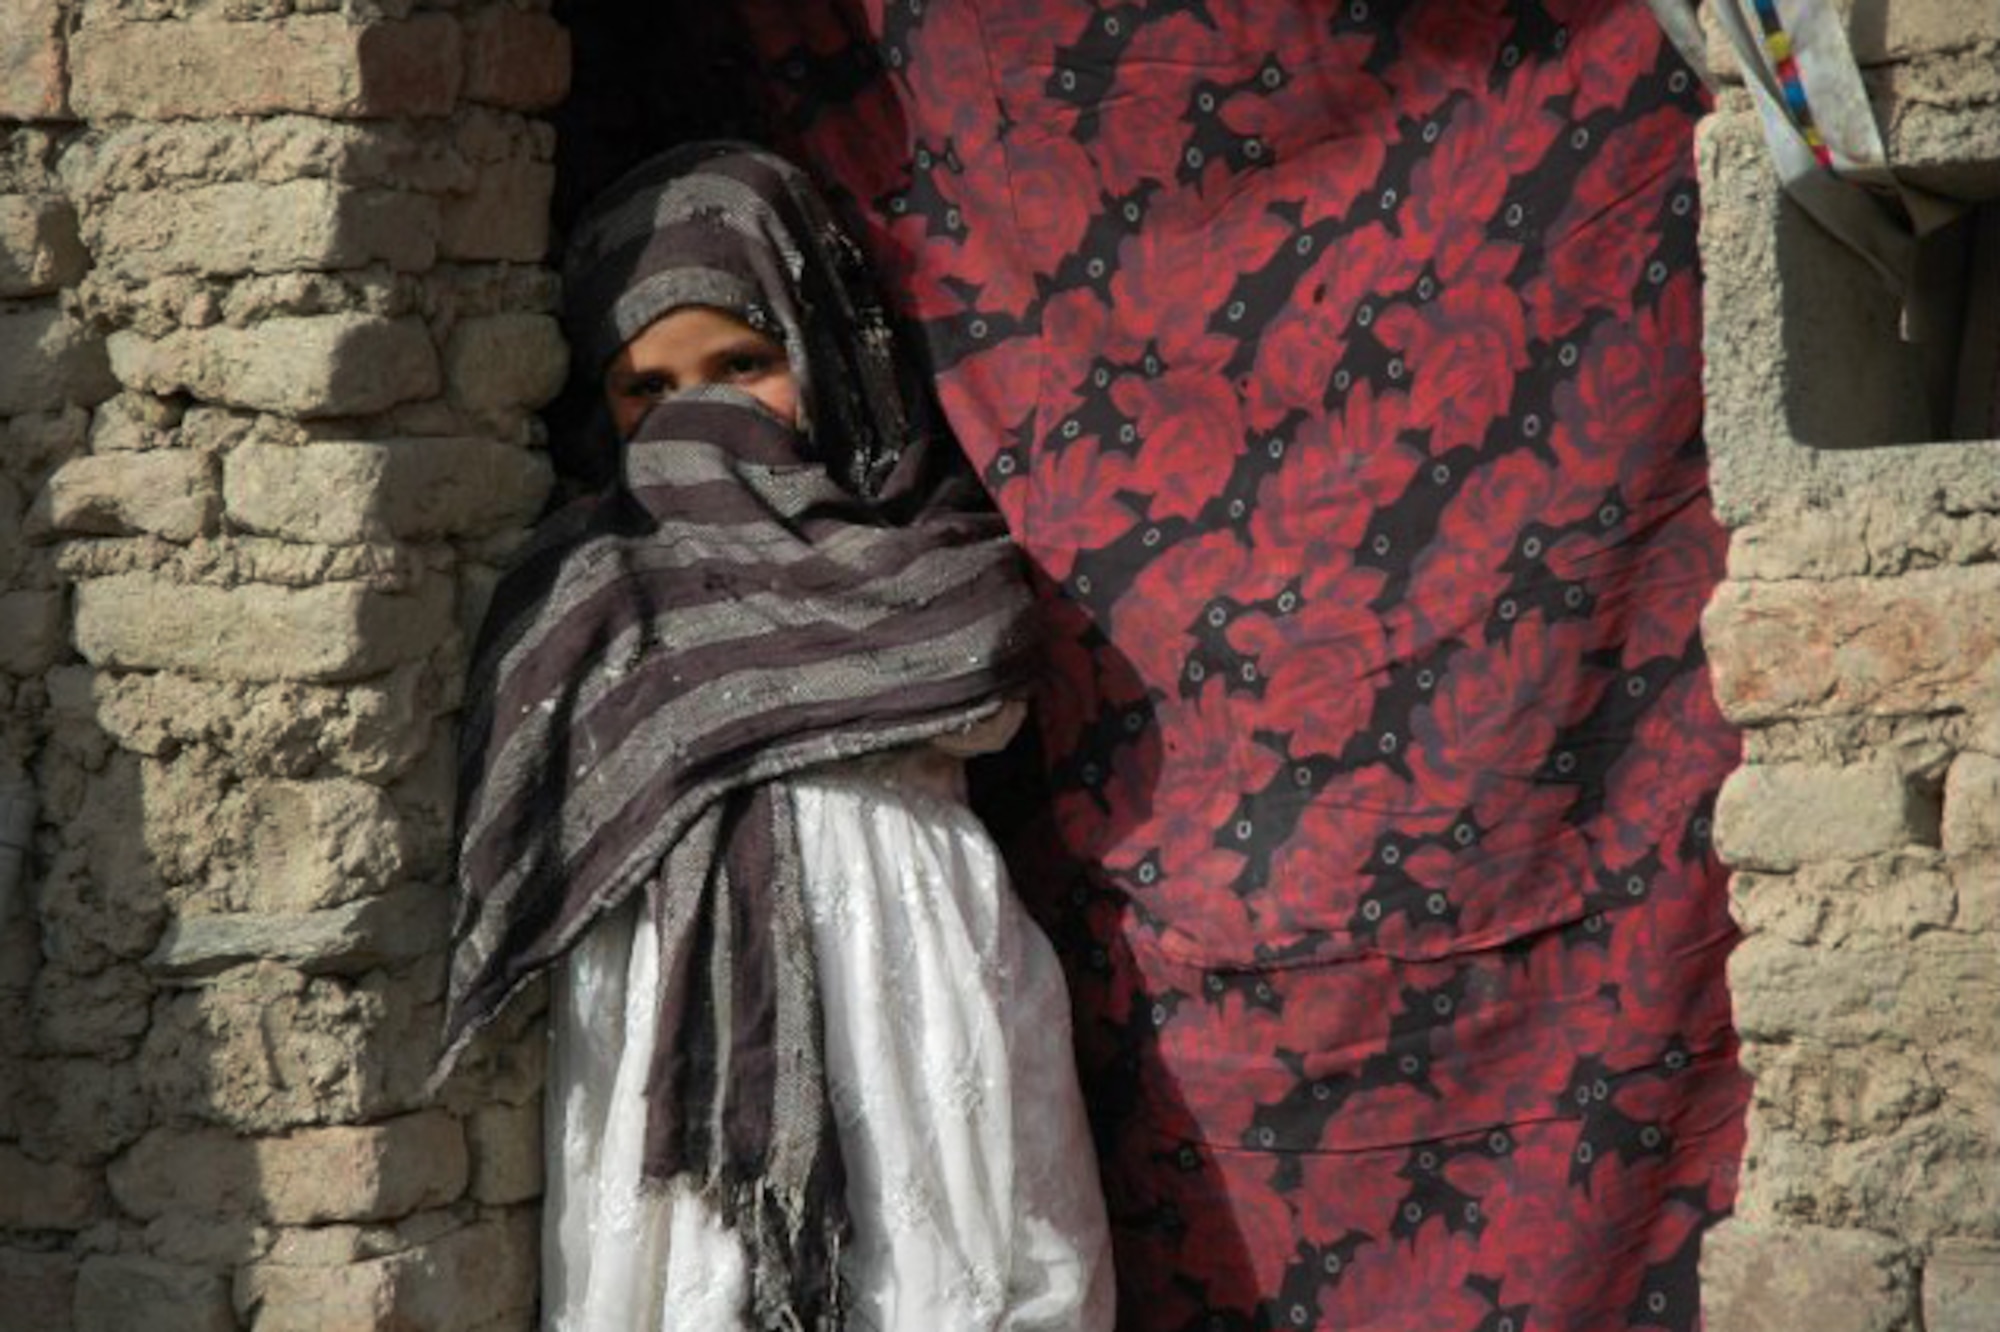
(748, 364)
(649, 386)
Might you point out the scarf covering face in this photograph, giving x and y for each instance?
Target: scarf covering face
(754, 599)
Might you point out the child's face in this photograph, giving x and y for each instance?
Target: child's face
(694, 346)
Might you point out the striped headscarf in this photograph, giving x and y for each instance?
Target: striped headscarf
(753, 600)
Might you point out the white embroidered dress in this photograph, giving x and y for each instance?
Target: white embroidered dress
(970, 1178)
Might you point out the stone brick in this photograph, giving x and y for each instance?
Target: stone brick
(477, 1279)
(321, 844)
(37, 1290)
(326, 365)
(46, 1195)
(1936, 116)
(349, 1173)
(31, 60)
(246, 227)
(101, 1014)
(206, 1171)
(506, 362)
(1935, 989)
(373, 731)
(119, 1294)
(318, 64)
(408, 488)
(81, 1109)
(1934, 1177)
(266, 1050)
(371, 1173)
(1762, 1279)
(1977, 879)
(1972, 804)
(1962, 1287)
(48, 361)
(1780, 815)
(338, 631)
(516, 59)
(504, 215)
(506, 1144)
(1861, 536)
(168, 493)
(32, 631)
(1877, 901)
(1925, 642)
(39, 248)
(344, 940)
(1824, 1095)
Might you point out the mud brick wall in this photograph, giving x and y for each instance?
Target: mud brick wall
(274, 321)
(1857, 641)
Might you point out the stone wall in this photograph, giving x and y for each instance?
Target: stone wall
(273, 325)
(1858, 642)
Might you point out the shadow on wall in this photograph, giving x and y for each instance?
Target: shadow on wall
(241, 933)
(1857, 381)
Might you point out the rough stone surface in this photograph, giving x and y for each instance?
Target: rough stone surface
(476, 1279)
(507, 362)
(265, 1050)
(39, 248)
(516, 59)
(1936, 1177)
(350, 939)
(327, 365)
(81, 1110)
(1861, 536)
(1779, 816)
(1938, 987)
(1972, 804)
(1938, 124)
(503, 216)
(506, 1146)
(373, 731)
(246, 227)
(45, 1195)
(363, 1174)
(1759, 1279)
(1962, 1288)
(37, 1291)
(1880, 900)
(48, 361)
(120, 1294)
(318, 64)
(408, 488)
(32, 637)
(205, 1171)
(1925, 642)
(31, 60)
(170, 494)
(336, 631)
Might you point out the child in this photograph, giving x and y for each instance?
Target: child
(711, 779)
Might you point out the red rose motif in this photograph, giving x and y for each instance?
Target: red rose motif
(1622, 411)
(1074, 504)
(1448, 47)
(1462, 352)
(1610, 47)
(1053, 186)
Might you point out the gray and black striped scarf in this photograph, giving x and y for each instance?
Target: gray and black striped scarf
(754, 600)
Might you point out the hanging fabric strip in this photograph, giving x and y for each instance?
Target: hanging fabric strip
(1817, 119)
